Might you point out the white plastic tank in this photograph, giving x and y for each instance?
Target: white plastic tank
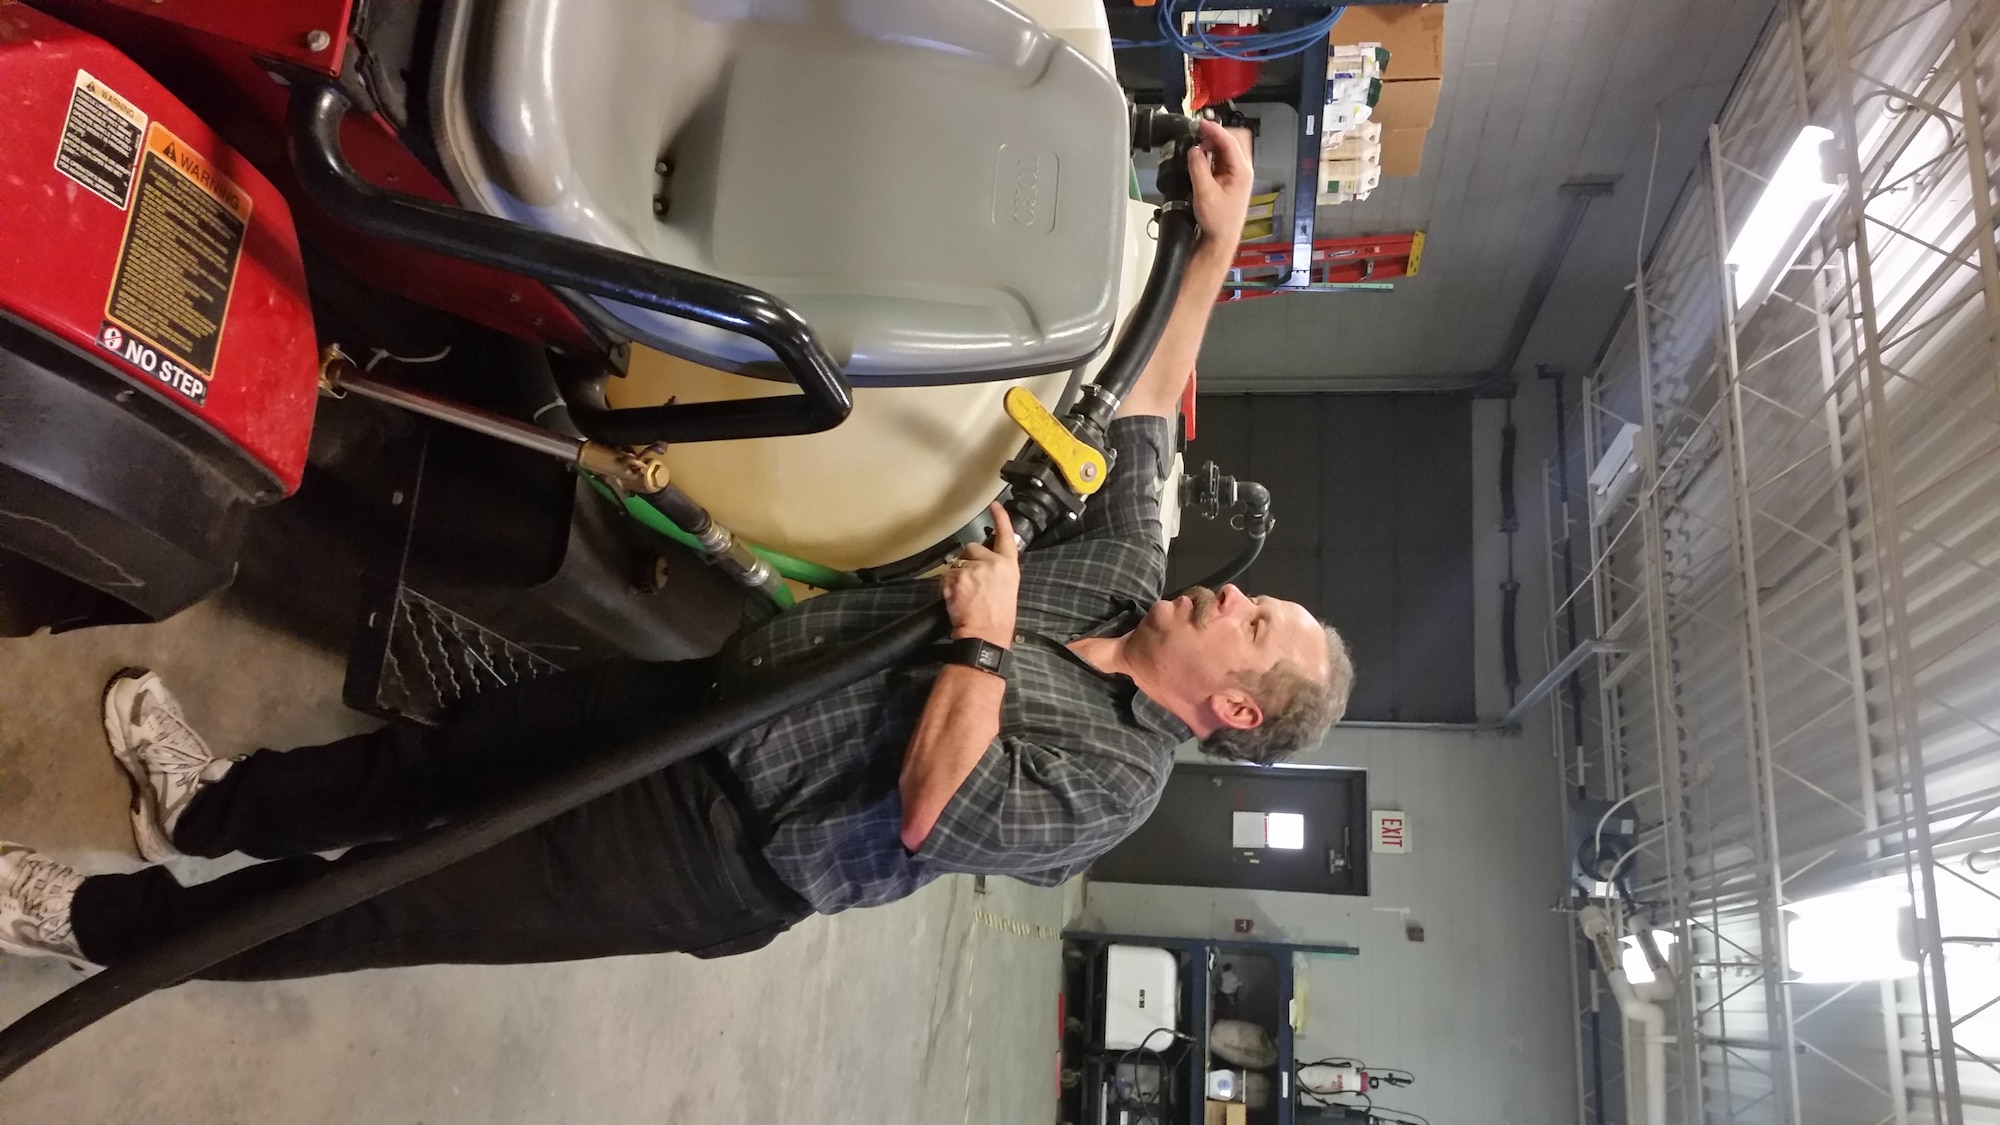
(909, 467)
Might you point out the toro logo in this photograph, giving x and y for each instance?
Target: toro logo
(148, 359)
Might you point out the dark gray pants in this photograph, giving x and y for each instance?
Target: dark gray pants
(670, 863)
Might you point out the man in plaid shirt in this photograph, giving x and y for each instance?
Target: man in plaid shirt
(1030, 765)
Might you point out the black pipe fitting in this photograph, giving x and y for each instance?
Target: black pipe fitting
(1213, 494)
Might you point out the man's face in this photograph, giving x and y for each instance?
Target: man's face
(1210, 641)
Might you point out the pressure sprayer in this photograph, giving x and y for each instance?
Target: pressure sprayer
(1060, 466)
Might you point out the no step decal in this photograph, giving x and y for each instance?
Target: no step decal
(170, 295)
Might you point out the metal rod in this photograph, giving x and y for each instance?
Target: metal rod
(1969, 105)
(1751, 645)
(1577, 658)
(1666, 722)
(640, 474)
(1844, 490)
(341, 376)
(1886, 536)
(1305, 159)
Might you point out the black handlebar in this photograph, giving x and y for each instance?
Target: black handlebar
(331, 182)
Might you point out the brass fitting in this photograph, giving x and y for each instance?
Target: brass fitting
(641, 472)
(333, 365)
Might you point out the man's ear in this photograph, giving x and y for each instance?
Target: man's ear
(1235, 708)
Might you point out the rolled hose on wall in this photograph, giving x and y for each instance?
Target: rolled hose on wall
(188, 954)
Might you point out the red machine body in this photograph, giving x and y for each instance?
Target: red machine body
(130, 231)
(221, 56)
(158, 345)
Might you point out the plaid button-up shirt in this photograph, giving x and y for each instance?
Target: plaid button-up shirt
(1082, 756)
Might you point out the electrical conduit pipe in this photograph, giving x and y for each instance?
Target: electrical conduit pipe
(1651, 1073)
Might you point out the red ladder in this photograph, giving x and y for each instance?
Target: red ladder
(1378, 257)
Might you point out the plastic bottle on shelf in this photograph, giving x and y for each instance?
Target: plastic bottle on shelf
(1340, 117)
(1354, 141)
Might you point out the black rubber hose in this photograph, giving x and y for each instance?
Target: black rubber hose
(1034, 506)
(249, 926)
(1253, 546)
(1148, 321)
(681, 508)
(825, 399)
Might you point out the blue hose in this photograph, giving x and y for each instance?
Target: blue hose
(1256, 46)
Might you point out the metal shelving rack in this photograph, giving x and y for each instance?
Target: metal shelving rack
(1198, 963)
(1796, 613)
(1311, 101)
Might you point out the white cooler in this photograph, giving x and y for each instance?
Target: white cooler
(1141, 995)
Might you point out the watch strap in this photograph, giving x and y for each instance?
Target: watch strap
(973, 652)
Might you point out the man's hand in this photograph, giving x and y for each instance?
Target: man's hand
(1222, 182)
(982, 587)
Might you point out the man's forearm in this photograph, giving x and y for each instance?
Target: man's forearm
(960, 720)
(1158, 390)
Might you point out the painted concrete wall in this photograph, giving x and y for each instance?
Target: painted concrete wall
(1480, 1009)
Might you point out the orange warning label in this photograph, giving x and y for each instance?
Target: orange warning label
(178, 262)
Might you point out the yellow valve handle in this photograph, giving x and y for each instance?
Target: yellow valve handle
(1079, 464)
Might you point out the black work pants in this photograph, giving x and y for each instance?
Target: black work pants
(669, 863)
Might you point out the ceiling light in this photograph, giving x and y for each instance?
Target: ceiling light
(1865, 933)
(1794, 201)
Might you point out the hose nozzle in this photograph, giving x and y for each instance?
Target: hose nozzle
(1174, 136)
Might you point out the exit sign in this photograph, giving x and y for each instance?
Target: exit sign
(1392, 831)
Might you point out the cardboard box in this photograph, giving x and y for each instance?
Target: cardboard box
(1407, 105)
(1413, 35)
(1225, 1113)
(1403, 151)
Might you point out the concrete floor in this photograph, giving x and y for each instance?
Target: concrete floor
(938, 1009)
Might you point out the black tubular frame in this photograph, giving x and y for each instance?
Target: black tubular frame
(316, 111)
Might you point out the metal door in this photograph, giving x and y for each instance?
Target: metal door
(1279, 828)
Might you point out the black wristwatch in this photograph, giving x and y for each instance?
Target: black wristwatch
(983, 655)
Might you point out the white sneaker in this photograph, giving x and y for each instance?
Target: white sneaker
(167, 762)
(35, 893)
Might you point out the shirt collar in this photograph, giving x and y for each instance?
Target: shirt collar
(1147, 710)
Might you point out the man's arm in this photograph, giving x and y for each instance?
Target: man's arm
(962, 716)
(961, 719)
(1222, 181)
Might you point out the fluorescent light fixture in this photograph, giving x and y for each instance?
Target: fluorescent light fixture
(1794, 201)
(1865, 933)
(1285, 830)
(1615, 475)
(1632, 957)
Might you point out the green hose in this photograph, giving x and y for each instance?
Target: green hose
(796, 569)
